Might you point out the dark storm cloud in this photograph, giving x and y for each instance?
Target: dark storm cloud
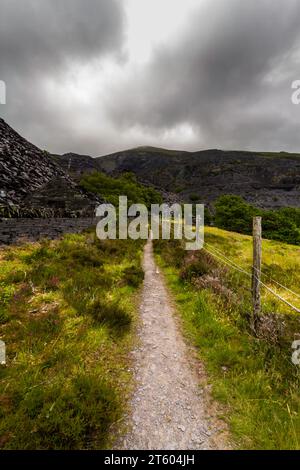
(39, 41)
(229, 77)
(39, 34)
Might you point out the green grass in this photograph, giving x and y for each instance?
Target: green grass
(67, 314)
(253, 377)
(280, 263)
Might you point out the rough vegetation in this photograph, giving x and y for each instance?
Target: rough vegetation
(233, 213)
(66, 316)
(253, 376)
(125, 185)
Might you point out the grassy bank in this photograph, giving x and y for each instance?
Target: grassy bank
(253, 377)
(66, 316)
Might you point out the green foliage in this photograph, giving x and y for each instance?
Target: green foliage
(233, 213)
(291, 213)
(134, 275)
(279, 225)
(207, 216)
(196, 266)
(194, 197)
(253, 377)
(125, 185)
(110, 313)
(46, 418)
(168, 251)
(69, 308)
(6, 293)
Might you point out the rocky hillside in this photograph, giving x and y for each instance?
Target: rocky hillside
(34, 182)
(76, 165)
(268, 180)
(31, 182)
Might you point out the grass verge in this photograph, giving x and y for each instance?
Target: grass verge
(252, 377)
(67, 311)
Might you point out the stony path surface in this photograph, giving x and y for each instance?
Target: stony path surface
(168, 407)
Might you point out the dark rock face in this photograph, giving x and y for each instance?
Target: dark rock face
(264, 179)
(76, 165)
(32, 184)
(24, 167)
(22, 230)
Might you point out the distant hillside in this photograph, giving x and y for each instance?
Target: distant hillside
(31, 182)
(76, 165)
(32, 179)
(268, 180)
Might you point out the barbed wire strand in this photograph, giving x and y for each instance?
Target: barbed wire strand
(238, 268)
(242, 285)
(263, 274)
(278, 283)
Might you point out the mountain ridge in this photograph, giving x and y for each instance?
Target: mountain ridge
(35, 179)
(266, 179)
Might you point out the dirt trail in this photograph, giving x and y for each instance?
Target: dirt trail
(169, 410)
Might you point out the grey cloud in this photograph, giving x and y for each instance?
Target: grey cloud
(228, 75)
(40, 40)
(39, 34)
(216, 72)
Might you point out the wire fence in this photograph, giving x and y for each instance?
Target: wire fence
(216, 253)
(296, 294)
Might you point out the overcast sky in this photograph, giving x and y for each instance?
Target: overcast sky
(97, 76)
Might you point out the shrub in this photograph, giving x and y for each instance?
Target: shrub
(196, 265)
(233, 213)
(110, 313)
(134, 276)
(6, 293)
(53, 418)
(83, 255)
(194, 197)
(125, 185)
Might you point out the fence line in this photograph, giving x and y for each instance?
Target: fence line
(264, 274)
(229, 262)
(281, 285)
(243, 271)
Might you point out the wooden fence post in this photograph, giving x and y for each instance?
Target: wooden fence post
(256, 270)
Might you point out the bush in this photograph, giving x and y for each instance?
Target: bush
(196, 265)
(110, 313)
(134, 276)
(167, 249)
(234, 214)
(277, 226)
(111, 188)
(53, 418)
(194, 197)
(292, 214)
(83, 255)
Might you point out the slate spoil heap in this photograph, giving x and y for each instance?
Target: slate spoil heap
(32, 184)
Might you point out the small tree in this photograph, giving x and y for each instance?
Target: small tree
(233, 213)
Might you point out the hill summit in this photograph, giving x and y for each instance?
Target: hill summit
(267, 180)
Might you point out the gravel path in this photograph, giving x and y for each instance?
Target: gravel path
(169, 410)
